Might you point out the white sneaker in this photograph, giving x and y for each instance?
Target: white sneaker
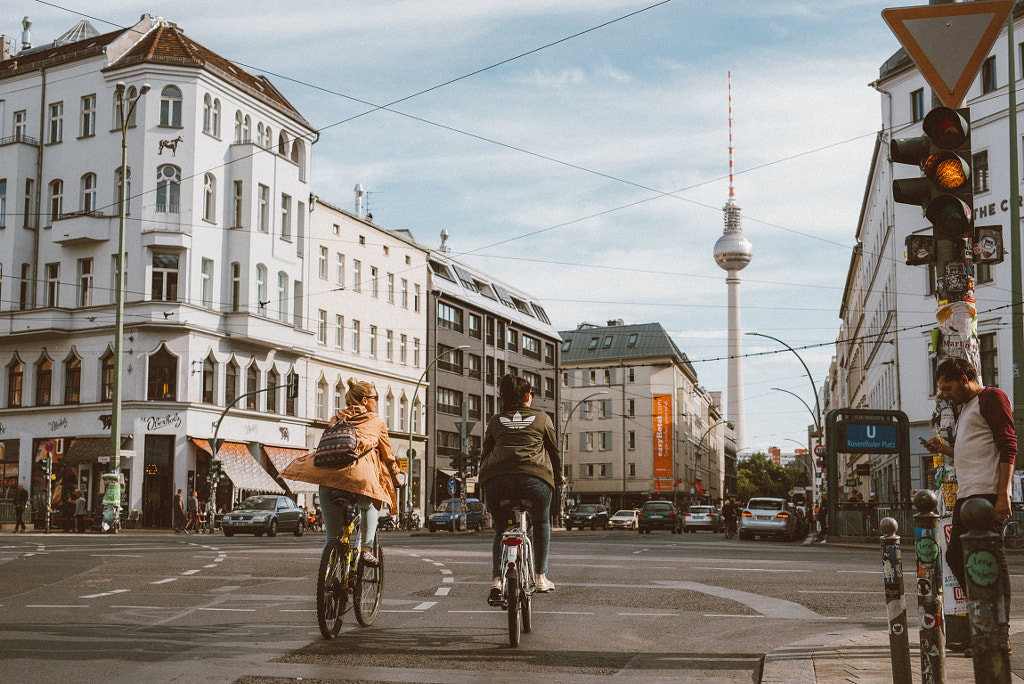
(545, 585)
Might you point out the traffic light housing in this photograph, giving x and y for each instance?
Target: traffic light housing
(216, 470)
(293, 385)
(946, 191)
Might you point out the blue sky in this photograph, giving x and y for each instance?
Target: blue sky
(564, 155)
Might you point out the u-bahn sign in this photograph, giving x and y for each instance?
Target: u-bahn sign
(868, 437)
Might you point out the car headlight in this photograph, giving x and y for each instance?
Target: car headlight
(260, 517)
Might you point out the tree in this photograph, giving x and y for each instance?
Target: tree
(759, 475)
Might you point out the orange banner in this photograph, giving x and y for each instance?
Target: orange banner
(663, 435)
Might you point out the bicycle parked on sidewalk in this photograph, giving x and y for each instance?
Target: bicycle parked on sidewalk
(518, 581)
(343, 573)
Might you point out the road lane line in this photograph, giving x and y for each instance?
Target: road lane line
(752, 569)
(190, 572)
(38, 605)
(232, 610)
(446, 572)
(442, 591)
(559, 612)
(165, 581)
(106, 593)
(727, 615)
(448, 580)
(426, 605)
(648, 614)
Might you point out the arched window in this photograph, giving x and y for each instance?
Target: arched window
(273, 380)
(15, 380)
(389, 411)
(170, 107)
(238, 126)
(290, 402)
(246, 128)
(107, 376)
(259, 133)
(230, 383)
(261, 289)
(163, 376)
(339, 396)
(216, 118)
(252, 383)
(403, 408)
(282, 144)
(44, 381)
(56, 199)
(72, 379)
(299, 157)
(207, 114)
(209, 373)
(89, 193)
(414, 419)
(268, 137)
(321, 400)
(209, 197)
(168, 189)
(127, 190)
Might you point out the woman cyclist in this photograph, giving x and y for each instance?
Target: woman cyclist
(371, 478)
(520, 460)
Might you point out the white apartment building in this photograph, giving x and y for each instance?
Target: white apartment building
(885, 355)
(368, 304)
(217, 294)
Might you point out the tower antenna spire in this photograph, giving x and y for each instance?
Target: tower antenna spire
(732, 193)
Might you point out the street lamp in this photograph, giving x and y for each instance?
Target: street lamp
(565, 436)
(817, 425)
(412, 407)
(700, 443)
(814, 389)
(112, 493)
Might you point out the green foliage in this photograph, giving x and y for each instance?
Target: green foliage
(759, 475)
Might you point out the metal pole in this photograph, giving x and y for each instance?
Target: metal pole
(1013, 235)
(929, 589)
(895, 602)
(986, 596)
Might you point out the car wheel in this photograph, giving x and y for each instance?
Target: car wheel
(272, 528)
(300, 529)
(228, 532)
(258, 533)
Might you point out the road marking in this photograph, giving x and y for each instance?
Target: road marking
(54, 606)
(446, 572)
(648, 614)
(727, 615)
(559, 612)
(190, 572)
(165, 581)
(448, 580)
(211, 565)
(106, 593)
(298, 610)
(860, 572)
(438, 564)
(766, 605)
(442, 591)
(232, 610)
(473, 611)
(752, 569)
(426, 605)
(113, 555)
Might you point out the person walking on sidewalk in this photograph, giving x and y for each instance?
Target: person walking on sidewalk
(179, 511)
(192, 522)
(986, 447)
(20, 502)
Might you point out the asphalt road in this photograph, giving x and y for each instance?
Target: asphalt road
(157, 607)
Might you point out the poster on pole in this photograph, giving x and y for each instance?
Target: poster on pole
(663, 435)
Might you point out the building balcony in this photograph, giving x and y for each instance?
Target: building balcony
(83, 227)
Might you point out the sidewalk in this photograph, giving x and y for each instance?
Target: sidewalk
(860, 658)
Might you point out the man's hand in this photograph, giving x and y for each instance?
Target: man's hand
(1003, 508)
(935, 446)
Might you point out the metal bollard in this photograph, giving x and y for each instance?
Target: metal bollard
(929, 589)
(895, 603)
(986, 605)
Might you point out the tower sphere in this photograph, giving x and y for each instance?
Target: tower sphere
(733, 251)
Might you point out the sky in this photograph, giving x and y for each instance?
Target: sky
(579, 150)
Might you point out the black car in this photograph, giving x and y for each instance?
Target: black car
(660, 515)
(588, 515)
(268, 514)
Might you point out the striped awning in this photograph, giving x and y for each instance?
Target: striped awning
(241, 468)
(281, 457)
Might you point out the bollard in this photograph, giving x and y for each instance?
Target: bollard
(895, 603)
(929, 589)
(986, 606)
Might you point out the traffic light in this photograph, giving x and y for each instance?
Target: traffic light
(293, 385)
(821, 463)
(946, 192)
(216, 470)
(458, 462)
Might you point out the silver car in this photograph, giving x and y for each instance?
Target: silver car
(768, 517)
(624, 519)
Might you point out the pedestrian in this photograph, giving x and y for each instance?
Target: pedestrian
(80, 505)
(730, 511)
(520, 460)
(179, 511)
(821, 517)
(984, 453)
(192, 513)
(371, 479)
(20, 502)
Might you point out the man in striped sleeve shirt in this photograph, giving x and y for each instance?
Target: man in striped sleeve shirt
(986, 446)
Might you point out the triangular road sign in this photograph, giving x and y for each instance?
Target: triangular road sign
(948, 43)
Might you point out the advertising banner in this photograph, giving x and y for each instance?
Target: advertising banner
(663, 435)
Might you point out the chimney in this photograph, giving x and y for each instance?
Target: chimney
(359, 200)
(26, 34)
(5, 48)
(444, 242)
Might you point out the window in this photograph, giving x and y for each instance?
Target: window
(403, 343)
(299, 307)
(389, 345)
(449, 359)
(15, 378)
(55, 126)
(339, 396)
(549, 353)
(29, 203)
(206, 286)
(273, 380)
(449, 401)
(631, 375)
(631, 444)
(85, 282)
(414, 417)
(631, 408)
(391, 288)
(208, 374)
(549, 388)
(989, 82)
(405, 283)
(263, 209)
(416, 352)
(321, 326)
(231, 383)
(170, 107)
(355, 337)
(89, 193)
(416, 298)
(607, 342)
(282, 296)
(72, 380)
(88, 116)
(3, 202)
(56, 199)
(449, 317)
(107, 376)
(513, 339)
(238, 205)
(239, 122)
(593, 344)
(286, 217)
(44, 380)
(207, 114)
(917, 105)
(373, 341)
(165, 277)
(989, 360)
(531, 347)
(980, 170)
(322, 264)
(20, 125)
(605, 408)
(252, 384)
(339, 276)
(23, 284)
(339, 332)
(357, 275)
(236, 286)
(168, 189)
(321, 400)
(373, 282)
(52, 285)
(290, 402)
(534, 380)
(209, 197)
(403, 408)
(631, 341)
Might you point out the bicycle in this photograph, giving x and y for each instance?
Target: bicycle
(342, 572)
(518, 583)
(1013, 534)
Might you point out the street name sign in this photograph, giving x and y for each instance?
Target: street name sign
(948, 43)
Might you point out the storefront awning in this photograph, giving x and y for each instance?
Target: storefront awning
(281, 457)
(241, 468)
(89, 450)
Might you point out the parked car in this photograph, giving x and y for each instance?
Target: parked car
(449, 515)
(268, 514)
(703, 518)
(624, 519)
(767, 517)
(660, 515)
(588, 515)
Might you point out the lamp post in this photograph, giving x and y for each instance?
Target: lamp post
(700, 443)
(412, 407)
(817, 425)
(565, 438)
(112, 492)
(816, 414)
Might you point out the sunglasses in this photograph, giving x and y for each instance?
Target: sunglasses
(374, 397)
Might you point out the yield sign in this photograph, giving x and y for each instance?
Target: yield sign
(948, 43)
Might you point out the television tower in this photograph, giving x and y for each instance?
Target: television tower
(732, 253)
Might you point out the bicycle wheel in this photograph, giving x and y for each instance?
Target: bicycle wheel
(514, 606)
(1013, 535)
(369, 589)
(331, 596)
(525, 589)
